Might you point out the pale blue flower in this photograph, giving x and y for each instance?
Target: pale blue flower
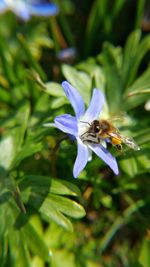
(67, 54)
(26, 8)
(74, 126)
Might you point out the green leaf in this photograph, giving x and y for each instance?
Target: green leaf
(119, 222)
(35, 242)
(5, 96)
(63, 258)
(58, 102)
(54, 89)
(7, 152)
(66, 206)
(40, 184)
(98, 11)
(38, 191)
(11, 143)
(21, 255)
(50, 213)
(129, 55)
(28, 149)
(111, 60)
(138, 92)
(140, 12)
(33, 63)
(144, 257)
(99, 78)
(143, 137)
(117, 6)
(80, 80)
(6, 60)
(129, 166)
(133, 54)
(143, 82)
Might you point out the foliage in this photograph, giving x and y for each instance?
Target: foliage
(48, 218)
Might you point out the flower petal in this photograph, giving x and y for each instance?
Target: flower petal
(74, 98)
(67, 54)
(3, 6)
(95, 105)
(22, 13)
(20, 9)
(44, 9)
(81, 159)
(67, 124)
(103, 153)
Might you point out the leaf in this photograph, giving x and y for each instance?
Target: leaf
(144, 257)
(37, 261)
(50, 213)
(143, 82)
(129, 166)
(63, 258)
(54, 89)
(21, 255)
(7, 152)
(143, 137)
(111, 61)
(98, 11)
(5, 96)
(144, 162)
(129, 55)
(136, 94)
(35, 242)
(23, 259)
(21, 119)
(6, 60)
(66, 206)
(40, 183)
(80, 80)
(11, 143)
(28, 149)
(119, 222)
(58, 102)
(140, 13)
(133, 54)
(37, 192)
(33, 63)
(140, 92)
(99, 78)
(117, 6)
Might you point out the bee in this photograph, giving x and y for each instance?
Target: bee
(104, 130)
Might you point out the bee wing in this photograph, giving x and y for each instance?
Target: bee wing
(126, 140)
(115, 135)
(130, 142)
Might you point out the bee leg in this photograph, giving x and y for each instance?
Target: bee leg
(90, 139)
(119, 147)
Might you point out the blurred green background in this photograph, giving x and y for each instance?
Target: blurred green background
(48, 218)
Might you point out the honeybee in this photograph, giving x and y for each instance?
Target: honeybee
(104, 130)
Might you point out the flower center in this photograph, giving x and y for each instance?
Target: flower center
(83, 127)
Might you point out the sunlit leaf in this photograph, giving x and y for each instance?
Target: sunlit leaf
(41, 183)
(111, 61)
(54, 89)
(144, 257)
(80, 80)
(35, 242)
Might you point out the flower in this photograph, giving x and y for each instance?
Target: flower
(67, 54)
(74, 126)
(25, 8)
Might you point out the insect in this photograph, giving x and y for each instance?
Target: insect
(104, 130)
